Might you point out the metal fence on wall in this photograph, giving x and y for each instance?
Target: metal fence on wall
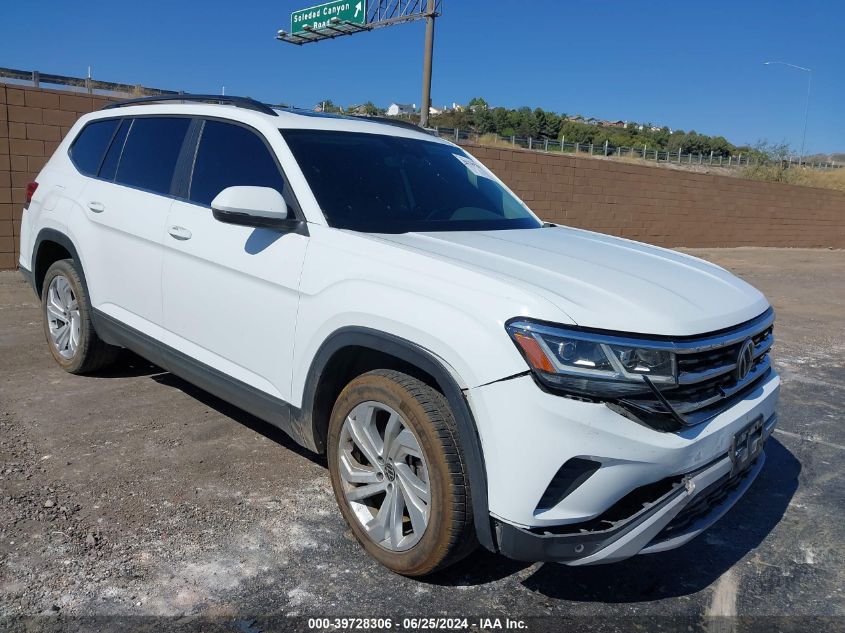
(93, 86)
(642, 153)
(89, 85)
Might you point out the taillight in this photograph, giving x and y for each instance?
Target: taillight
(30, 191)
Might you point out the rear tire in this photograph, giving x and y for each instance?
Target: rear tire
(68, 325)
(398, 473)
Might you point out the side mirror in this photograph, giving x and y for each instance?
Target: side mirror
(253, 206)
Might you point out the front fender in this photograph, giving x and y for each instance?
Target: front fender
(447, 381)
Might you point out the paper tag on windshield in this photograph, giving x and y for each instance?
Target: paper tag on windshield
(477, 169)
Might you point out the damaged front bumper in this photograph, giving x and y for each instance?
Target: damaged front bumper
(663, 516)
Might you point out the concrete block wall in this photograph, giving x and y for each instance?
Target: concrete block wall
(32, 122)
(669, 207)
(657, 205)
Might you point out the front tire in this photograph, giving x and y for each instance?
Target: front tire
(398, 473)
(68, 325)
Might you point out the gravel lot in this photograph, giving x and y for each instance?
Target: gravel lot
(133, 493)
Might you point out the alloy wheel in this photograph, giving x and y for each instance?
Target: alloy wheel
(384, 475)
(63, 317)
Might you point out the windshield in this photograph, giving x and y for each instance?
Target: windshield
(387, 184)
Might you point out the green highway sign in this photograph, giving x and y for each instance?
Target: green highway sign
(320, 17)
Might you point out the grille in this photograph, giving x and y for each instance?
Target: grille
(707, 380)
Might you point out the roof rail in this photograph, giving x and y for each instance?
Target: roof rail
(391, 121)
(240, 102)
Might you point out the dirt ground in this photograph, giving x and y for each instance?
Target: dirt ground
(132, 493)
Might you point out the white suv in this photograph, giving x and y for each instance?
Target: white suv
(474, 375)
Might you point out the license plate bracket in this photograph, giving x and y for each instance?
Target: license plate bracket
(746, 446)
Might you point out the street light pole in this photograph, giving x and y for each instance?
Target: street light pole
(806, 103)
(429, 51)
(806, 110)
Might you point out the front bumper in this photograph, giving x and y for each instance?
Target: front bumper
(695, 503)
(684, 479)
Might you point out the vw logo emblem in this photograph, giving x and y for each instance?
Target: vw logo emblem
(390, 471)
(744, 359)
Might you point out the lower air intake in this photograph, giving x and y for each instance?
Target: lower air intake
(572, 474)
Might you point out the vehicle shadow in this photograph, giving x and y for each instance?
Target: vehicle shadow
(128, 365)
(479, 568)
(679, 572)
(238, 415)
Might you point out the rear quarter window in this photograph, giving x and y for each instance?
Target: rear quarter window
(90, 146)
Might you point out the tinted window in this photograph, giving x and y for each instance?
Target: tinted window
(109, 166)
(228, 156)
(388, 184)
(88, 148)
(151, 151)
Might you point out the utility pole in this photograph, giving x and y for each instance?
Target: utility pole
(429, 52)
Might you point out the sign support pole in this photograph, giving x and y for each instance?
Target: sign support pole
(427, 56)
(336, 18)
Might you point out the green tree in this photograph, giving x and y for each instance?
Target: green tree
(577, 132)
(478, 103)
(501, 120)
(541, 121)
(659, 138)
(372, 110)
(720, 146)
(481, 118)
(526, 124)
(483, 121)
(452, 118)
(553, 122)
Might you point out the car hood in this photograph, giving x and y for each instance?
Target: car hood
(600, 281)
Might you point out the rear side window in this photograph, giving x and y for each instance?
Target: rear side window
(231, 155)
(90, 146)
(151, 151)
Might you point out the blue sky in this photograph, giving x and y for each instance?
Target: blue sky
(687, 65)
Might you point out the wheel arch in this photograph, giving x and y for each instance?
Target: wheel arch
(51, 246)
(349, 345)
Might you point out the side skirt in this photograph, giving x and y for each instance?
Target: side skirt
(260, 404)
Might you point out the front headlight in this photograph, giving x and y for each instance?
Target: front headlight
(590, 364)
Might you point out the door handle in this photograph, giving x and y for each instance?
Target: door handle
(96, 207)
(179, 233)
